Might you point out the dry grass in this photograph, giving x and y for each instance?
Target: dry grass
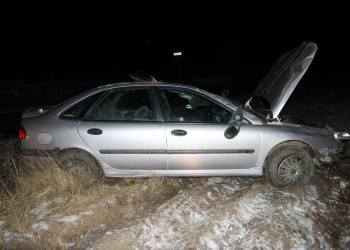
(99, 205)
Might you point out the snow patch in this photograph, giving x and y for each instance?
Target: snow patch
(7, 236)
(250, 207)
(42, 225)
(69, 245)
(89, 212)
(2, 224)
(68, 219)
(343, 184)
(41, 210)
(228, 213)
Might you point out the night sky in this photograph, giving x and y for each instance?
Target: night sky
(48, 59)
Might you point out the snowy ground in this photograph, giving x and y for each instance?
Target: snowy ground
(194, 213)
(204, 213)
(241, 213)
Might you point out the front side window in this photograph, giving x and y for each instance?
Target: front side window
(125, 105)
(183, 106)
(78, 110)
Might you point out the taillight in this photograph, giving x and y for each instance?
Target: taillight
(22, 134)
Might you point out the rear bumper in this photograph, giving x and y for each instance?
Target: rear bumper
(33, 161)
(36, 152)
(34, 158)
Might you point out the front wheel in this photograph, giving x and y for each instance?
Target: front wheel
(289, 165)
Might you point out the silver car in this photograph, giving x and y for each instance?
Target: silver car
(165, 129)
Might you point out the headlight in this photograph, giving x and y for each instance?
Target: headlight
(342, 136)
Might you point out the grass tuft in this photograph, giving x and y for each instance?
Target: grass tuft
(48, 195)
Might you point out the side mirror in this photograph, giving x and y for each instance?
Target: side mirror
(234, 124)
(232, 131)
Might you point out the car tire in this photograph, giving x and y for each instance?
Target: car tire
(289, 164)
(79, 163)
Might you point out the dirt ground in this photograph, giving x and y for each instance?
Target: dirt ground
(48, 208)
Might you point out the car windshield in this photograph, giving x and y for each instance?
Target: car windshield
(226, 100)
(259, 106)
(229, 102)
(234, 105)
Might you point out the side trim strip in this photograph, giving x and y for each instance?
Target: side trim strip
(213, 151)
(133, 151)
(189, 151)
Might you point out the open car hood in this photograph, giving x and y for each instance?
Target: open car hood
(276, 87)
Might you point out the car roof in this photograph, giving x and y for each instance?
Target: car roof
(145, 83)
(86, 93)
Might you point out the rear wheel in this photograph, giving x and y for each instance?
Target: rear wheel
(289, 164)
(79, 163)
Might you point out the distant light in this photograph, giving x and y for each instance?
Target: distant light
(177, 53)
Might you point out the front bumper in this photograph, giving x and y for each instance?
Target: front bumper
(328, 155)
(345, 149)
(333, 155)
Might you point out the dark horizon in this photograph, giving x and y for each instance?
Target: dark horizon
(45, 64)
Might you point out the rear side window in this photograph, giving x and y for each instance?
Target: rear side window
(78, 110)
(125, 105)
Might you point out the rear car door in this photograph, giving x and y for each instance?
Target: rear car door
(194, 127)
(123, 129)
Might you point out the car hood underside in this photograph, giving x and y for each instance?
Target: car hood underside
(276, 87)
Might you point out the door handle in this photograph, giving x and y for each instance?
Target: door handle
(94, 131)
(179, 132)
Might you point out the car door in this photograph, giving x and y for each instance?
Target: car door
(124, 130)
(194, 127)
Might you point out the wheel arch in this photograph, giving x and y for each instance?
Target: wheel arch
(61, 152)
(312, 151)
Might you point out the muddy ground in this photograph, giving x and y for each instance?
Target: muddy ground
(48, 208)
